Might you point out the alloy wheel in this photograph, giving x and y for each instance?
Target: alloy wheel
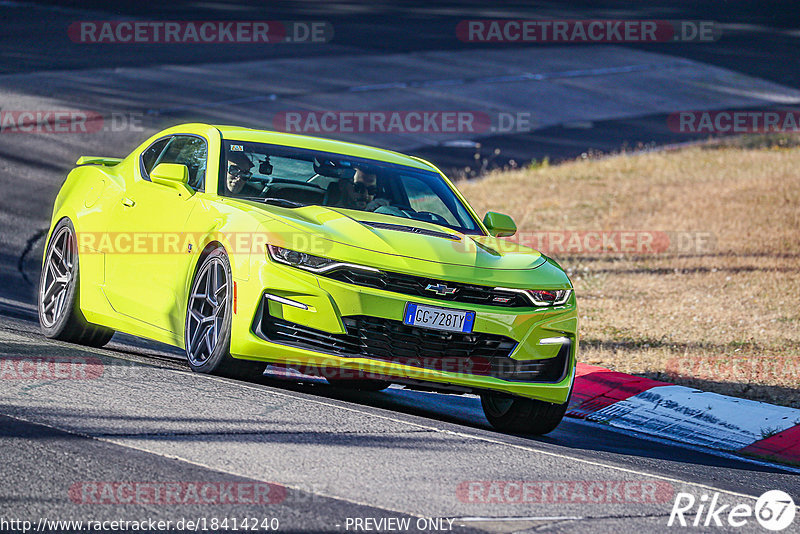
(57, 276)
(207, 310)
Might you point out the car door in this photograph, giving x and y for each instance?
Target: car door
(145, 273)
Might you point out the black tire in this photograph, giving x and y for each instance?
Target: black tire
(219, 361)
(358, 384)
(58, 303)
(517, 415)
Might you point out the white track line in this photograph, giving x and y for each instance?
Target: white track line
(500, 442)
(206, 466)
(441, 431)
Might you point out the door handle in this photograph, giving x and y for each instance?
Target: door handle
(128, 202)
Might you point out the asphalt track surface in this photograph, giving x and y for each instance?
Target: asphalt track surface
(398, 453)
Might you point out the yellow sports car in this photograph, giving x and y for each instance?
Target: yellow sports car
(248, 247)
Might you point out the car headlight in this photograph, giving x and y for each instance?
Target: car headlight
(298, 259)
(309, 262)
(544, 297)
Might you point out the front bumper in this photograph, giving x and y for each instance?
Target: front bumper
(337, 330)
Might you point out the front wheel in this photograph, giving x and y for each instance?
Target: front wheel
(517, 415)
(208, 322)
(58, 301)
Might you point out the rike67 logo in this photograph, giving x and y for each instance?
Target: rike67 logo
(774, 510)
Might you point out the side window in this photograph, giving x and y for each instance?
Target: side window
(190, 151)
(150, 156)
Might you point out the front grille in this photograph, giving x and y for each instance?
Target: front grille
(416, 285)
(392, 341)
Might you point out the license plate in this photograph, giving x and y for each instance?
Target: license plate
(439, 318)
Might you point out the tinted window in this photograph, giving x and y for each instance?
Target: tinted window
(422, 198)
(190, 151)
(295, 177)
(150, 156)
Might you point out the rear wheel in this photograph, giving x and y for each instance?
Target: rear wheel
(58, 302)
(517, 415)
(208, 321)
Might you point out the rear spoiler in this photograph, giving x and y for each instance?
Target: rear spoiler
(95, 160)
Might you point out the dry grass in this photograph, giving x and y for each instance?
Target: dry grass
(724, 318)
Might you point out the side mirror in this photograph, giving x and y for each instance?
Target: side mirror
(172, 174)
(499, 225)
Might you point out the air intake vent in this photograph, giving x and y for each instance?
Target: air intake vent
(392, 341)
(411, 230)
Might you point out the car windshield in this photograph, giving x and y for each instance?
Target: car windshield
(293, 177)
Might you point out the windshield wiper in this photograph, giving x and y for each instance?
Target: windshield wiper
(277, 201)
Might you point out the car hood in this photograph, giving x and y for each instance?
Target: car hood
(372, 232)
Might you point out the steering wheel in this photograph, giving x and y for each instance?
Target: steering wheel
(434, 217)
(397, 211)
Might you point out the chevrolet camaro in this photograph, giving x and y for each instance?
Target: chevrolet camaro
(367, 267)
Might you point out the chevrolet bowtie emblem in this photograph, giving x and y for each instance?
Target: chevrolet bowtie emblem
(441, 289)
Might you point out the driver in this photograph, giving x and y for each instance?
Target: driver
(237, 175)
(365, 185)
(356, 192)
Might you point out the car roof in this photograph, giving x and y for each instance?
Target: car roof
(237, 133)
